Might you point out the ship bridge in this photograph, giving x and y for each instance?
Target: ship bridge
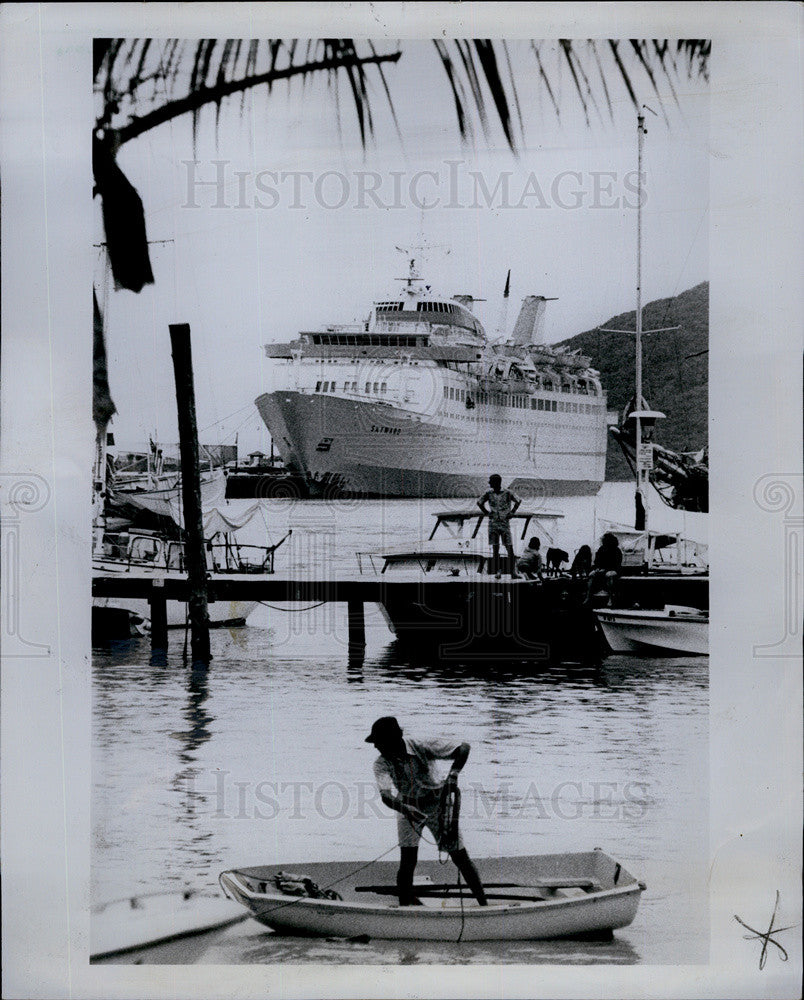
(444, 321)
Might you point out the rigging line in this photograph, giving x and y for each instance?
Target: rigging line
(242, 423)
(228, 417)
(671, 300)
(681, 271)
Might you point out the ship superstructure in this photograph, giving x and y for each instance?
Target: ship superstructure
(416, 401)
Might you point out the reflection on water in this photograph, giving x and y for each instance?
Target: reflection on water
(261, 759)
(274, 948)
(249, 943)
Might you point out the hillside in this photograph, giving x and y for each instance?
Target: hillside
(674, 369)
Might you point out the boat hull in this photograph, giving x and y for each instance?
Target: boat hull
(547, 623)
(222, 614)
(138, 922)
(563, 913)
(645, 632)
(381, 450)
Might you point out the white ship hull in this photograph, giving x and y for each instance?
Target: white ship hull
(386, 449)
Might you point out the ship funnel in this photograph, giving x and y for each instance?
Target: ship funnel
(529, 326)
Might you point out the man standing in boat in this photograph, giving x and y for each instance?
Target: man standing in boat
(499, 506)
(408, 784)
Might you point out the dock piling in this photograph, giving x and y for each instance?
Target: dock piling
(191, 493)
(159, 629)
(357, 630)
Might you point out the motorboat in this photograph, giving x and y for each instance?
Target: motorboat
(457, 551)
(529, 897)
(446, 593)
(672, 629)
(660, 569)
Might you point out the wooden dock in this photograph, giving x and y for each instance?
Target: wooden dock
(458, 610)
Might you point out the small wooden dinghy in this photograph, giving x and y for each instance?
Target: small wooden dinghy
(126, 925)
(544, 896)
(673, 629)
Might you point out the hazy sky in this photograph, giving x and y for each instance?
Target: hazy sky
(302, 228)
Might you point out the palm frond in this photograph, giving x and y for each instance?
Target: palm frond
(488, 60)
(566, 48)
(545, 79)
(155, 82)
(142, 83)
(512, 81)
(613, 46)
(637, 46)
(603, 84)
(458, 95)
(662, 51)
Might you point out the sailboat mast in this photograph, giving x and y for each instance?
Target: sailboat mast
(639, 499)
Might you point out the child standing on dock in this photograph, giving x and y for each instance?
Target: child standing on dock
(499, 506)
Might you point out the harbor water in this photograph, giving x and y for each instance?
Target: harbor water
(261, 758)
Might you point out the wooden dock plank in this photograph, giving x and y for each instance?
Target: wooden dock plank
(648, 591)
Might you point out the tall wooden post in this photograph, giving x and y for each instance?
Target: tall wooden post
(159, 631)
(357, 633)
(191, 494)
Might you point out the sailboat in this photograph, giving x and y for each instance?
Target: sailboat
(153, 552)
(681, 623)
(141, 532)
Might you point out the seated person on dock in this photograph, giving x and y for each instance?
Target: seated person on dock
(406, 778)
(499, 506)
(530, 563)
(582, 563)
(607, 566)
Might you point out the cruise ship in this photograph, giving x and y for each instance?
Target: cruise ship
(418, 401)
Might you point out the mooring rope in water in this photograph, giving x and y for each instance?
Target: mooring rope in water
(274, 607)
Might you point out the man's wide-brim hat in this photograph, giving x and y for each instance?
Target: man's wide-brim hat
(385, 728)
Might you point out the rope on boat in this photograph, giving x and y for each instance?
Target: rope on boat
(299, 899)
(448, 815)
(449, 812)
